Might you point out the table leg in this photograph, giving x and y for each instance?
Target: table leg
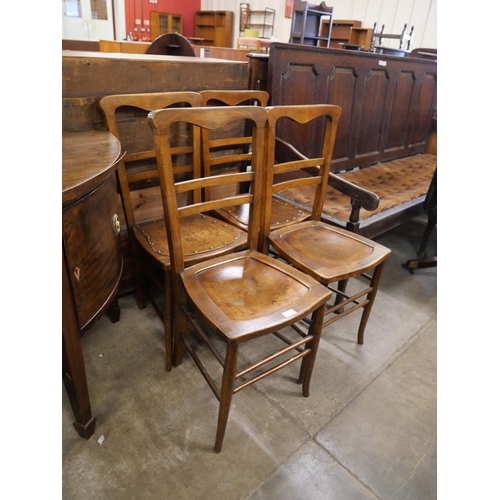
(74, 377)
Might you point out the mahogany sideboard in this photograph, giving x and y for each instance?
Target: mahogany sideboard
(91, 258)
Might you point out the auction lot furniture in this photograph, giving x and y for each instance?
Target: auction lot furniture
(91, 258)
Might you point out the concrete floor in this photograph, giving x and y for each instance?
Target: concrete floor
(368, 430)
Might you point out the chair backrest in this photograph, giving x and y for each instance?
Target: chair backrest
(223, 144)
(161, 122)
(296, 170)
(171, 44)
(126, 118)
(234, 97)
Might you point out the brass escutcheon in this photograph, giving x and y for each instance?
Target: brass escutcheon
(116, 225)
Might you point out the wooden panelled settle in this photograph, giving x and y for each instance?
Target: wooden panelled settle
(387, 102)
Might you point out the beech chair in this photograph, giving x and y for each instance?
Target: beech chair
(242, 296)
(202, 235)
(327, 253)
(283, 212)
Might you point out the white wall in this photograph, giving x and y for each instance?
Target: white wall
(393, 13)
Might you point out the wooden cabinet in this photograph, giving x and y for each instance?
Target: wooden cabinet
(341, 32)
(163, 22)
(307, 24)
(214, 27)
(91, 259)
(362, 37)
(260, 20)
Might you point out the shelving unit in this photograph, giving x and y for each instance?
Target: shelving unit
(307, 23)
(163, 22)
(341, 32)
(362, 37)
(260, 20)
(215, 27)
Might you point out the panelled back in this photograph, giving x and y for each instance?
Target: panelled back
(387, 101)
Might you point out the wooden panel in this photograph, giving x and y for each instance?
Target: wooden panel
(87, 76)
(399, 123)
(426, 105)
(341, 92)
(372, 112)
(299, 82)
(92, 250)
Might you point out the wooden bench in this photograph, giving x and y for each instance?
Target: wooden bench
(388, 105)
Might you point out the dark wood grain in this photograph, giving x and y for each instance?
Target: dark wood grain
(92, 263)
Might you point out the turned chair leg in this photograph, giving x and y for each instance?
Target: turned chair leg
(342, 287)
(226, 395)
(377, 274)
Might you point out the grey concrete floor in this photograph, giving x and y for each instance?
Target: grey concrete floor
(367, 431)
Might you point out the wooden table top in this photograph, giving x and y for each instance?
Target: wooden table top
(88, 157)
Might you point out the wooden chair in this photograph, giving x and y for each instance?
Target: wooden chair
(203, 236)
(328, 253)
(242, 296)
(402, 37)
(283, 213)
(171, 44)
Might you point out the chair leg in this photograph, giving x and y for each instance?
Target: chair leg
(226, 395)
(179, 327)
(138, 276)
(431, 224)
(167, 320)
(307, 365)
(377, 274)
(341, 286)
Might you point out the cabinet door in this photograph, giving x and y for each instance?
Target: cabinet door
(92, 250)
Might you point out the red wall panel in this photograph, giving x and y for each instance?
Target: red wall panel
(139, 10)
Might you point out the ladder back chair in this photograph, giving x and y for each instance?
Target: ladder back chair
(327, 253)
(242, 296)
(283, 212)
(203, 237)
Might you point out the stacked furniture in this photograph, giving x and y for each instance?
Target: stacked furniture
(307, 23)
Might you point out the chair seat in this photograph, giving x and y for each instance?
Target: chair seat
(327, 252)
(248, 294)
(202, 237)
(282, 214)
